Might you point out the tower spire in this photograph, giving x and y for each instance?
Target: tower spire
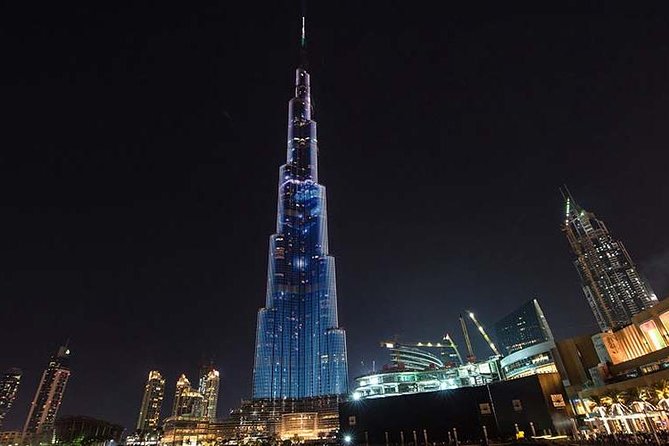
(303, 37)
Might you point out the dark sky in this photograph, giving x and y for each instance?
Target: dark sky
(141, 146)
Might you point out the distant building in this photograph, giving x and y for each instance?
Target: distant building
(193, 431)
(612, 285)
(208, 388)
(305, 418)
(152, 403)
(10, 438)
(9, 386)
(524, 327)
(49, 395)
(86, 431)
(404, 357)
(528, 343)
(187, 401)
(401, 382)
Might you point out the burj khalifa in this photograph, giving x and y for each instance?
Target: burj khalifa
(300, 348)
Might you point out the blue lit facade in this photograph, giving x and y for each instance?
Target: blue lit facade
(300, 349)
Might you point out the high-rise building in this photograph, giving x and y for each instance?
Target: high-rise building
(612, 285)
(522, 328)
(152, 403)
(208, 387)
(48, 397)
(9, 386)
(187, 401)
(300, 348)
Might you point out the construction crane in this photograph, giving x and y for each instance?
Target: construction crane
(483, 333)
(447, 339)
(468, 342)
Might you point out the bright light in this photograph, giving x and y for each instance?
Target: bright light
(356, 396)
(471, 315)
(347, 439)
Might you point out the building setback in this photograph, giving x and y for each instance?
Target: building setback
(612, 285)
(300, 348)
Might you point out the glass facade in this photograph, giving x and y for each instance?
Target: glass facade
(611, 283)
(300, 349)
(523, 328)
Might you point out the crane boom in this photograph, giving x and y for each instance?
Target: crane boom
(483, 333)
(468, 342)
(447, 339)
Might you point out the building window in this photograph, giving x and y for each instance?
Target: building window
(652, 334)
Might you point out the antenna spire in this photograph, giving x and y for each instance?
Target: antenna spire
(303, 37)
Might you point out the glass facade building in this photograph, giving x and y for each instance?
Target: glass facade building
(300, 349)
(611, 283)
(524, 327)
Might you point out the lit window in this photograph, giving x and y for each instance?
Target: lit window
(653, 335)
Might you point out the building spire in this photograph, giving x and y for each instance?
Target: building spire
(570, 202)
(303, 37)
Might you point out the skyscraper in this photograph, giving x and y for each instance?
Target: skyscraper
(208, 387)
(187, 401)
(152, 403)
(300, 349)
(48, 397)
(522, 328)
(9, 386)
(612, 285)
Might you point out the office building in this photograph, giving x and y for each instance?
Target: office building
(9, 386)
(152, 403)
(47, 400)
(527, 343)
(612, 285)
(208, 388)
(522, 328)
(300, 348)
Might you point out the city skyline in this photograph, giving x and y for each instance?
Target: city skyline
(153, 194)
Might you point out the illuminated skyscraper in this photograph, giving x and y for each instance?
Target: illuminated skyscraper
(9, 385)
(612, 285)
(209, 383)
(152, 403)
(300, 349)
(48, 397)
(187, 401)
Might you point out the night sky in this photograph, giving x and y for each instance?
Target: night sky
(140, 154)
